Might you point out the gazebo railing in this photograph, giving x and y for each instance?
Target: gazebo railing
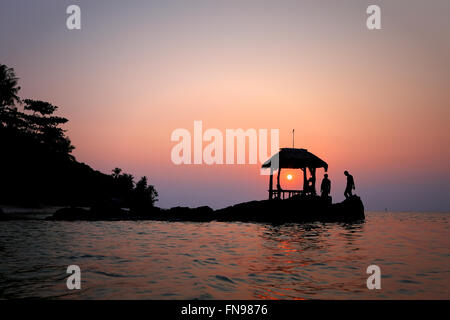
(283, 193)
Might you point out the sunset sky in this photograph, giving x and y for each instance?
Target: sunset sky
(375, 103)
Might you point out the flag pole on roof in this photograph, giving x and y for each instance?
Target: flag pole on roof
(293, 137)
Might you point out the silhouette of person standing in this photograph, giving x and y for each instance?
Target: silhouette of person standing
(350, 185)
(325, 187)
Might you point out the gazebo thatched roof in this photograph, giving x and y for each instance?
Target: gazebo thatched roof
(295, 159)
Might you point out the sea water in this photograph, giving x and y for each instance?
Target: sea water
(217, 260)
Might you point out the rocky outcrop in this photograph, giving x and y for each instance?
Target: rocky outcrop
(200, 214)
(71, 214)
(299, 209)
(296, 209)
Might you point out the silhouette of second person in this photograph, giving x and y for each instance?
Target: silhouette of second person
(350, 185)
(325, 187)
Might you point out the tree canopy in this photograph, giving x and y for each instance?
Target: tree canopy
(37, 162)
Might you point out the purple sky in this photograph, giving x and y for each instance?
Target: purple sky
(373, 102)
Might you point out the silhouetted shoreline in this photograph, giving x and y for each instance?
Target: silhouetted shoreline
(302, 209)
(39, 168)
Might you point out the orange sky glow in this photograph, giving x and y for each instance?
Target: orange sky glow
(374, 103)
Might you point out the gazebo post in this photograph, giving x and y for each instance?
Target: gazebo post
(271, 184)
(278, 183)
(305, 181)
(313, 185)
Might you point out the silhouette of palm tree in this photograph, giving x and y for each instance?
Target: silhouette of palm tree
(8, 87)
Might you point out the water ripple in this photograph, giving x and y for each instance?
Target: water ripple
(161, 260)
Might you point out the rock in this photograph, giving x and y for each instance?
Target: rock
(144, 213)
(199, 214)
(100, 212)
(298, 209)
(107, 211)
(351, 209)
(71, 214)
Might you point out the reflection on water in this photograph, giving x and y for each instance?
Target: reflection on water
(302, 260)
(161, 260)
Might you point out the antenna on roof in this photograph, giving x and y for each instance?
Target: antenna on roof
(293, 136)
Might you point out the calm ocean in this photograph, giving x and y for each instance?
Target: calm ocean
(166, 260)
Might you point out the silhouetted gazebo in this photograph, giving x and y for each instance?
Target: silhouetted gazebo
(292, 158)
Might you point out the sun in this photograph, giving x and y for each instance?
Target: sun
(289, 177)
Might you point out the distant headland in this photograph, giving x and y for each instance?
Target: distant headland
(38, 168)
